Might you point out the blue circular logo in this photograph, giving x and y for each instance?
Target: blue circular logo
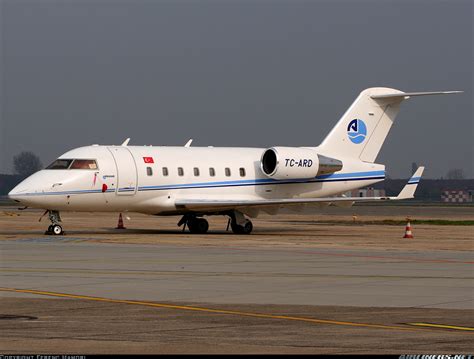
(357, 131)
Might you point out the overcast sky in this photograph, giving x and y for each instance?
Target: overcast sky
(233, 73)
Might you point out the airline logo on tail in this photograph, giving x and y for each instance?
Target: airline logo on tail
(357, 131)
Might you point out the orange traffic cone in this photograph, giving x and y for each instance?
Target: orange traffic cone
(120, 223)
(408, 233)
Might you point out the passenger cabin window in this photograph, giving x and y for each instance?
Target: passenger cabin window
(180, 171)
(196, 171)
(227, 171)
(212, 172)
(59, 164)
(149, 171)
(242, 172)
(165, 171)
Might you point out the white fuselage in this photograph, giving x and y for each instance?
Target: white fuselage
(126, 180)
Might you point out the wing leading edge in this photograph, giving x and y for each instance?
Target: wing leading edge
(222, 204)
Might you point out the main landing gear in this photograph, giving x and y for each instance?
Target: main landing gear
(237, 222)
(54, 228)
(245, 228)
(195, 224)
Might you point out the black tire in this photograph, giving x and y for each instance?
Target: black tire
(198, 225)
(57, 230)
(236, 228)
(246, 228)
(202, 225)
(49, 231)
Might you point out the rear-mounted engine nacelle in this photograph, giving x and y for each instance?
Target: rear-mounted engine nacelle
(296, 163)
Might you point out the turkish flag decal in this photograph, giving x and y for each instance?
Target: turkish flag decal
(148, 160)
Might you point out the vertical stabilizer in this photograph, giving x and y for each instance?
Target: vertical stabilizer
(362, 130)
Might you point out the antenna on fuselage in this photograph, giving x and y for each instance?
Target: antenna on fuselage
(125, 143)
(188, 144)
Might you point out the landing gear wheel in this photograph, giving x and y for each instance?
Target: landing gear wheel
(56, 229)
(235, 227)
(246, 228)
(198, 225)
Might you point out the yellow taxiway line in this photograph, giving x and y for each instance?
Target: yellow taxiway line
(443, 326)
(211, 310)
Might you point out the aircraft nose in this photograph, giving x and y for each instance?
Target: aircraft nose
(18, 191)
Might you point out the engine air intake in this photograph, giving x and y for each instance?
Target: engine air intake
(296, 163)
(269, 162)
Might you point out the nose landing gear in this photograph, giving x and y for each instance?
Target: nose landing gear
(55, 228)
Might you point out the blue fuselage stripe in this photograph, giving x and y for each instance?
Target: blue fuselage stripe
(249, 183)
(335, 177)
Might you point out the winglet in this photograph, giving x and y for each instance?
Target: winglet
(409, 190)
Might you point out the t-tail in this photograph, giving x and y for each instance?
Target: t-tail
(361, 131)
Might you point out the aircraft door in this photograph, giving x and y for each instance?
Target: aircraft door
(126, 171)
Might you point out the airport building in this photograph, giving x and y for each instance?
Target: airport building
(456, 196)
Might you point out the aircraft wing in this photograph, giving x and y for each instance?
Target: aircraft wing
(222, 204)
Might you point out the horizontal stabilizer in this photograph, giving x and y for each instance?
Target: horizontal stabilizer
(406, 95)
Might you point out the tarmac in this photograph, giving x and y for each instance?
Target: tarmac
(307, 288)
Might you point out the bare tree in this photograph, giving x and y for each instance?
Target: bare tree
(26, 163)
(455, 173)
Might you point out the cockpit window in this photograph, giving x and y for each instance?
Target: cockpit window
(64, 164)
(59, 164)
(84, 165)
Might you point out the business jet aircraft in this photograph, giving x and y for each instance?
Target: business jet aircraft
(236, 182)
